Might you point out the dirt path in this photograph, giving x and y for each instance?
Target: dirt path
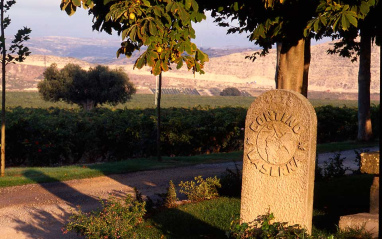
(40, 210)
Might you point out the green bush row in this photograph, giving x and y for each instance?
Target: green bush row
(42, 137)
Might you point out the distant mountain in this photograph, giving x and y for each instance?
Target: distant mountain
(227, 68)
(99, 51)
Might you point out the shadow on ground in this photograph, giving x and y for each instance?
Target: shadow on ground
(47, 223)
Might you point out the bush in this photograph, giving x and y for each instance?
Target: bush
(231, 183)
(115, 220)
(335, 167)
(230, 91)
(200, 189)
(170, 200)
(263, 227)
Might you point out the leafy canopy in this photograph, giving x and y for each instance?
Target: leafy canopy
(99, 85)
(162, 27)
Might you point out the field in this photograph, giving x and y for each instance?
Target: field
(33, 100)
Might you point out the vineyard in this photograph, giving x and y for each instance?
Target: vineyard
(33, 100)
(61, 136)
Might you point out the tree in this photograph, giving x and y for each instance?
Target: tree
(99, 85)
(8, 56)
(163, 26)
(273, 22)
(346, 21)
(230, 91)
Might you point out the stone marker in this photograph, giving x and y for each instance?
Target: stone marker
(369, 221)
(279, 158)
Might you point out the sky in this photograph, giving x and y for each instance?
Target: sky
(45, 18)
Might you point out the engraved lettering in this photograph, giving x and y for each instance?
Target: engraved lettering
(284, 170)
(279, 116)
(296, 129)
(254, 127)
(260, 120)
(292, 165)
(269, 116)
(275, 171)
(264, 169)
(285, 117)
(291, 121)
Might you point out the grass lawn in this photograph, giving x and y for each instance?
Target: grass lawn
(29, 175)
(211, 219)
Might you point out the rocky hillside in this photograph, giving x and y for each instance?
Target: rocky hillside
(227, 67)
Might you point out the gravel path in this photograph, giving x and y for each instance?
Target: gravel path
(40, 210)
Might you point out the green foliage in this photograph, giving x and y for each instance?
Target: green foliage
(164, 27)
(170, 200)
(335, 167)
(200, 189)
(116, 219)
(263, 227)
(99, 85)
(64, 136)
(230, 91)
(231, 182)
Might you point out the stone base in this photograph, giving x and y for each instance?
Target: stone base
(367, 220)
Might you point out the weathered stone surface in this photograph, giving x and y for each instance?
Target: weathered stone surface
(370, 222)
(370, 163)
(279, 158)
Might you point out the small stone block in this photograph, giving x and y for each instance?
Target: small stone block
(370, 163)
(367, 220)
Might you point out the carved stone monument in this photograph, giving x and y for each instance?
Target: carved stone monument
(279, 158)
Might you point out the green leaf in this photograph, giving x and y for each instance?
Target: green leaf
(187, 4)
(76, 3)
(71, 9)
(157, 68)
(140, 62)
(194, 5)
(146, 3)
(187, 47)
(180, 64)
(152, 28)
(345, 22)
(236, 6)
(352, 19)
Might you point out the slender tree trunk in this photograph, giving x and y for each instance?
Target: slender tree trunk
(291, 67)
(157, 100)
(364, 77)
(3, 63)
(307, 58)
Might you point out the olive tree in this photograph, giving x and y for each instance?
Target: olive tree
(163, 27)
(99, 85)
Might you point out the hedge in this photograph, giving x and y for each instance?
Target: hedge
(48, 137)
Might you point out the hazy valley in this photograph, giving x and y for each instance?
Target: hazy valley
(330, 76)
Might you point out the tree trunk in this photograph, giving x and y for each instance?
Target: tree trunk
(88, 105)
(293, 66)
(158, 93)
(3, 63)
(364, 77)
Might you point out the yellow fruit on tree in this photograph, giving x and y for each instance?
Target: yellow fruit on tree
(132, 16)
(159, 49)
